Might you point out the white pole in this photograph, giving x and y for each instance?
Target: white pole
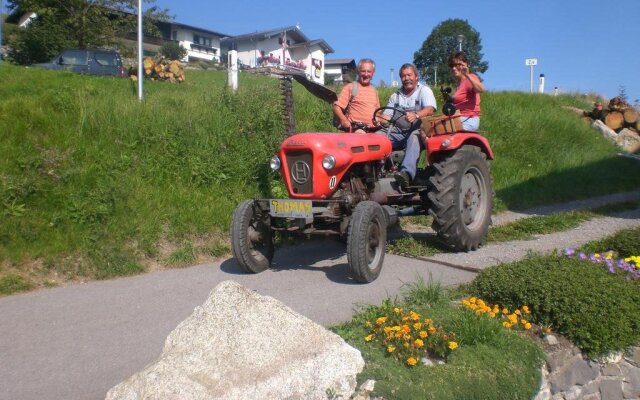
(541, 85)
(232, 63)
(435, 75)
(531, 80)
(140, 70)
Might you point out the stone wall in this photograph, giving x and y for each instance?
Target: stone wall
(568, 375)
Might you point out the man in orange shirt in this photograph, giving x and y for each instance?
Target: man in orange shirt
(355, 106)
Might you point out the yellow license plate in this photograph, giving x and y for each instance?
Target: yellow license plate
(288, 208)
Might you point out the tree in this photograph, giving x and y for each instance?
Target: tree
(441, 43)
(84, 23)
(173, 51)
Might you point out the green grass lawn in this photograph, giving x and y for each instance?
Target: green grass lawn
(95, 184)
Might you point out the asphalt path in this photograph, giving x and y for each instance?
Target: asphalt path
(78, 341)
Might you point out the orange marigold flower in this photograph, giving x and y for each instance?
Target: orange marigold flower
(418, 343)
(368, 338)
(381, 320)
(423, 334)
(505, 310)
(526, 310)
(428, 321)
(417, 326)
(527, 326)
(431, 329)
(517, 312)
(391, 349)
(412, 361)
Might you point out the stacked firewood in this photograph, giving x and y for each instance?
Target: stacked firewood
(616, 116)
(162, 69)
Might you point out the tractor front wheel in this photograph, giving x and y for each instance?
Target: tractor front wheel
(461, 198)
(251, 237)
(366, 241)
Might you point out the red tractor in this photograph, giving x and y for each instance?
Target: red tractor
(342, 184)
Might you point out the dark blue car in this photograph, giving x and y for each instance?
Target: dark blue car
(88, 61)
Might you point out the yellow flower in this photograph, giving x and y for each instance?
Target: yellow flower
(391, 349)
(417, 326)
(492, 314)
(431, 329)
(506, 324)
(418, 343)
(453, 345)
(423, 334)
(546, 329)
(414, 316)
(411, 361)
(368, 338)
(473, 300)
(513, 318)
(526, 310)
(397, 310)
(527, 326)
(381, 320)
(505, 310)
(524, 321)
(428, 321)
(517, 312)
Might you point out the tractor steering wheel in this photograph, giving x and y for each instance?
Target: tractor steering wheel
(397, 119)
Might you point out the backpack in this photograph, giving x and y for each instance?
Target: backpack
(354, 93)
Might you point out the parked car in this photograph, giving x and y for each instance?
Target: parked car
(88, 61)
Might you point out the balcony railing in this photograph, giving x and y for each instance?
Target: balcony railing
(203, 49)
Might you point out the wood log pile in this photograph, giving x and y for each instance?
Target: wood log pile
(617, 116)
(162, 69)
(618, 122)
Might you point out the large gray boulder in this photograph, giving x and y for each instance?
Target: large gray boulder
(241, 345)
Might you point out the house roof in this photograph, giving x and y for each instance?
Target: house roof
(293, 32)
(339, 61)
(195, 28)
(324, 45)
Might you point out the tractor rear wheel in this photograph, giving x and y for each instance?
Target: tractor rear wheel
(366, 241)
(251, 238)
(461, 198)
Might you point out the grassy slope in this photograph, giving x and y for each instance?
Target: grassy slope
(95, 184)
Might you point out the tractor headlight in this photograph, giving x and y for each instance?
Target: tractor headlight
(274, 163)
(328, 162)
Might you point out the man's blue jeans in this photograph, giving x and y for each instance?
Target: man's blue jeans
(412, 145)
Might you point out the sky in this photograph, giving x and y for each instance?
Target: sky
(584, 46)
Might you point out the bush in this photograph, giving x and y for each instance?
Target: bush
(596, 310)
(173, 51)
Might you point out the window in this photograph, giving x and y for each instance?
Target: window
(74, 57)
(106, 59)
(202, 40)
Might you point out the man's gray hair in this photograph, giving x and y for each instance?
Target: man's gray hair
(408, 65)
(366, 61)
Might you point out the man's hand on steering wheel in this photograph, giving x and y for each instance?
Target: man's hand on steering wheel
(385, 120)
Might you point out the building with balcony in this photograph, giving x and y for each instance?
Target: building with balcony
(287, 47)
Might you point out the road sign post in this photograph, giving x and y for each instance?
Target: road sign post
(531, 62)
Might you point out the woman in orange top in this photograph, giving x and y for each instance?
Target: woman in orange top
(467, 95)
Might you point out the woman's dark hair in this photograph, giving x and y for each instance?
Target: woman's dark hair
(457, 57)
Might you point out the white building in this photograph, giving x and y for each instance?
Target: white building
(342, 70)
(285, 47)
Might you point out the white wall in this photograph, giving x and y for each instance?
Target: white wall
(185, 38)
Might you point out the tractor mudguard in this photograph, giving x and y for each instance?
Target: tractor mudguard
(439, 143)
